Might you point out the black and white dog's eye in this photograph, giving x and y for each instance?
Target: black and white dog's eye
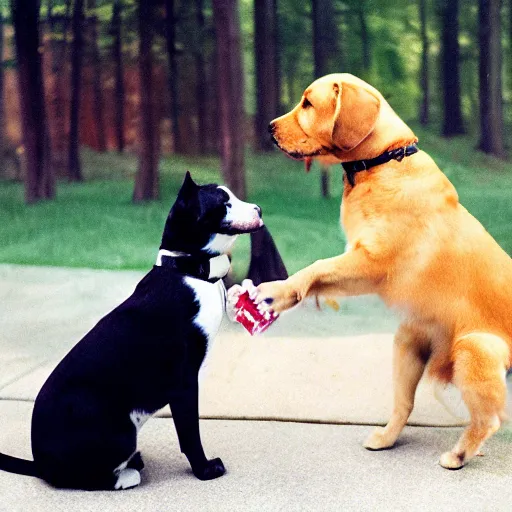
(229, 205)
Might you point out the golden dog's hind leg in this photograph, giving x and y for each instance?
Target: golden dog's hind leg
(480, 362)
(409, 359)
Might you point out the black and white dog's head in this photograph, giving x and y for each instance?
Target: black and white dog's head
(207, 218)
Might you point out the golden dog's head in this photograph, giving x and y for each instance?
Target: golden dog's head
(343, 117)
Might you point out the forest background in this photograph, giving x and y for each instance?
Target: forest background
(105, 104)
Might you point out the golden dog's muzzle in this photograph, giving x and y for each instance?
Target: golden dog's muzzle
(288, 136)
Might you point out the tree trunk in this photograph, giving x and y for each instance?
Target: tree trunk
(231, 97)
(510, 40)
(277, 56)
(365, 37)
(325, 52)
(450, 73)
(99, 122)
(342, 37)
(117, 51)
(325, 38)
(490, 63)
(57, 113)
(2, 110)
(324, 180)
(74, 166)
(170, 38)
(267, 71)
(146, 180)
(39, 179)
(201, 81)
(424, 75)
(214, 140)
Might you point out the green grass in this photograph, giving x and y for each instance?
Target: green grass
(94, 224)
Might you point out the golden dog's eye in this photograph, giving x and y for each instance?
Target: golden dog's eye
(306, 103)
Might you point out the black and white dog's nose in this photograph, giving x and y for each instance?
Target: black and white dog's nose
(258, 209)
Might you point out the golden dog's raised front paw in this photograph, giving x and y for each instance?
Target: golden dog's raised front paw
(451, 460)
(378, 440)
(277, 295)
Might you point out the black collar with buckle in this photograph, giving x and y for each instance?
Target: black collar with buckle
(362, 165)
(205, 267)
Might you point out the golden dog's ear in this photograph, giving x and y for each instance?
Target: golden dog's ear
(356, 114)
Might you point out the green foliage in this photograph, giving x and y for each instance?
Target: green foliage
(393, 39)
(295, 42)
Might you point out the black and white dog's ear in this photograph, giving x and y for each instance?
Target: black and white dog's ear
(188, 196)
(188, 183)
(188, 189)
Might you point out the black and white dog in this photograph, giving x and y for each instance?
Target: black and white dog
(143, 355)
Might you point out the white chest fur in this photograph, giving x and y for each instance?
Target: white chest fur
(212, 304)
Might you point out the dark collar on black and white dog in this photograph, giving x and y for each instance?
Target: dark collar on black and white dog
(362, 165)
(204, 267)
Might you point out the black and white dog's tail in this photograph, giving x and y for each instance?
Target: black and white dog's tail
(18, 466)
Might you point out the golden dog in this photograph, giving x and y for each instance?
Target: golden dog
(411, 242)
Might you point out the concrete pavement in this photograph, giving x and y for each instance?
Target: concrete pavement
(327, 367)
(273, 466)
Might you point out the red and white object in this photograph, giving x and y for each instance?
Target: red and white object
(253, 316)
